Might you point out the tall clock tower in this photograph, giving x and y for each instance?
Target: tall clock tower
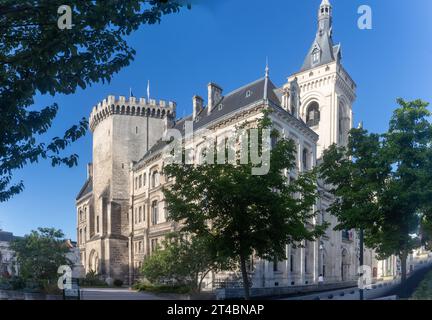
(327, 92)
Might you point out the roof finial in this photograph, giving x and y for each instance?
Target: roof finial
(266, 80)
(267, 68)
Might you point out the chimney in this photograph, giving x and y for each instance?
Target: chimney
(198, 104)
(89, 170)
(168, 123)
(214, 96)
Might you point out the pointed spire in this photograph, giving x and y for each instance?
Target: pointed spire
(322, 49)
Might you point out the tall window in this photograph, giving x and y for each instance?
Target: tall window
(155, 213)
(97, 224)
(140, 214)
(274, 141)
(155, 179)
(144, 179)
(292, 262)
(313, 114)
(275, 265)
(80, 236)
(305, 264)
(140, 181)
(305, 159)
(85, 234)
(154, 244)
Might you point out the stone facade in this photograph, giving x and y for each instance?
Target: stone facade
(8, 264)
(121, 215)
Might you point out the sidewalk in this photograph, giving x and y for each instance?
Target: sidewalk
(116, 294)
(374, 291)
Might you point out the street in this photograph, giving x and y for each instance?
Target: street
(117, 294)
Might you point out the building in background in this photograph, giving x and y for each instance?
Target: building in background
(121, 214)
(8, 265)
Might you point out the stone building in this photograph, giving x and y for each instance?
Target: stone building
(8, 265)
(121, 215)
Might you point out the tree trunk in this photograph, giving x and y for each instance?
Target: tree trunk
(202, 279)
(403, 257)
(245, 277)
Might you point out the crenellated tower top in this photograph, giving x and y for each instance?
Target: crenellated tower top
(131, 107)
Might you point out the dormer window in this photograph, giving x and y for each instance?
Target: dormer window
(248, 93)
(220, 107)
(316, 56)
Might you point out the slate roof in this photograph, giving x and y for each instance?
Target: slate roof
(324, 42)
(6, 236)
(232, 102)
(86, 188)
(329, 52)
(237, 100)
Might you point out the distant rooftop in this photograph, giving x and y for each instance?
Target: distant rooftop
(7, 236)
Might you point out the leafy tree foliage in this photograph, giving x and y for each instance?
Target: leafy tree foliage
(426, 233)
(37, 57)
(242, 214)
(40, 254)
(183, 258)
(382, 183)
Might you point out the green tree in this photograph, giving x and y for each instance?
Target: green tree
(37, 57)
(382, 182)
(243, 214)
(426, 232)
(183, 258)
(40, 254)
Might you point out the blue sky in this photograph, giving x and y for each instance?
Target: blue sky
(227, 41)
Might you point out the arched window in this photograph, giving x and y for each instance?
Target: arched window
(154, 211)
(155, 179)
(313, 114)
